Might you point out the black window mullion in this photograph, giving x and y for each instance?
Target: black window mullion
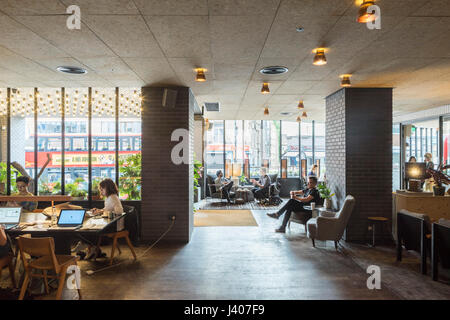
(117, 136)
(36, 182)
(8, 142)
(90, 146)
(63, 142)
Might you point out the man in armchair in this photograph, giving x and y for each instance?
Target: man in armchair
(225, 185)
(297, 202)
(261, 189)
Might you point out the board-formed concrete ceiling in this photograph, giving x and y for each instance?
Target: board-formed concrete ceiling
(131, 43)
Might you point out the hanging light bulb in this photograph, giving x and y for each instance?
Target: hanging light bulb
(319, 58)
(266, 111)
(200, 77)
(363, 15)
(301, 105)
(345, 80)
(304, 115)
(265, 88)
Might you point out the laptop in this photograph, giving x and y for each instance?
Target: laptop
(69, 219)
(10, 216)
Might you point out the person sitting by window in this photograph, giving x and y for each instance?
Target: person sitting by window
(22, 184)
(109, 189)
(297, 202)
(261, 189)
(412, 159)
(225, 184)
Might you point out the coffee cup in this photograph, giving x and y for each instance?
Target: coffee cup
(313, 205)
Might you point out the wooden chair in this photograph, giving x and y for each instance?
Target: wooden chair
(44, 251)
(7, 261)
(115, 236)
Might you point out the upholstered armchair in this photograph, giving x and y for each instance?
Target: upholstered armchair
(331, 227)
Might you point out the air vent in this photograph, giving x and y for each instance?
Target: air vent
(71, 70)
(212, 106)
(274, 70)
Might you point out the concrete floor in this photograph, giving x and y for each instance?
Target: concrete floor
(233, 263)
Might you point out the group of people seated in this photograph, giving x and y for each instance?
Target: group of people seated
(260, 190)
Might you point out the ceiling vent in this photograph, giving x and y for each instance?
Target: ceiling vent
(212, 106)
(71, 70)
(274, 70)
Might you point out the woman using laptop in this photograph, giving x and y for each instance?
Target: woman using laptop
(109, 190)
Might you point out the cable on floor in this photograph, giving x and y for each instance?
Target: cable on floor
(91, 272)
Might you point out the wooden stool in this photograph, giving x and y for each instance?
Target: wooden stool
(373, 221)
(115, 236)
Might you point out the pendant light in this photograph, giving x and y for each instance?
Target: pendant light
(319, 58)
(265, 88)
(363, 15)
(345, 80)
(200, 77)
(301, 105)
(304, 115)
(299, 119)
(266, 111)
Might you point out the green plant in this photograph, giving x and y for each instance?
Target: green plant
(3, 178)
(95, 183)
(78, 194)
(197, 173)
(324, 191)
(242, 178)
(130, 176)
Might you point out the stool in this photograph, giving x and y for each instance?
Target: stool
(115, 236)
(373, 221)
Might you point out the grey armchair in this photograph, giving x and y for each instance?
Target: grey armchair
(329, 227)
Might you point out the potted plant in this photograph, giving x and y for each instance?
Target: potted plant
(242, 179)
(78, 194)
(130, 177)
(325, 193)
(197, 175)
(95, 192)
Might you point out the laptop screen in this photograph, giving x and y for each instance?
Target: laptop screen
(68, 217)
(10, 215)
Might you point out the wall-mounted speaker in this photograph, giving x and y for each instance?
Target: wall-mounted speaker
(169, 98)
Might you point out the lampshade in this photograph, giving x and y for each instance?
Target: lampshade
(265, 88)
(363, 15)
(200, 75)
(266, 111)
(304, 115)
(345, 80)
(299, 119)
(301, 105)
(319, 58)
(237, 169)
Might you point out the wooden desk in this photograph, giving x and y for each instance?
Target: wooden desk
(436, 207)
(63, 238)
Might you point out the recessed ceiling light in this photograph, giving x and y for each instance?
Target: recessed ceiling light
(71, 70)
(274, 70)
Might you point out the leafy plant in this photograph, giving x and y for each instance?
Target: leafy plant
(242, 178)
(130, 176)
(197, 173)
(95, 183)
(78, 193)
(3, 178)
(324, 191)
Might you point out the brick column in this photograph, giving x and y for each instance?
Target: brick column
(359, 154)
(167, 189)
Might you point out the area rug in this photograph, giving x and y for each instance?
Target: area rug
(223, 205)
(222, 218)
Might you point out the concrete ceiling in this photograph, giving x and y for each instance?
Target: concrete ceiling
(131, 43)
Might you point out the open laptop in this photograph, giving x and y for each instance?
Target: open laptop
(69, 219)
(10, 216)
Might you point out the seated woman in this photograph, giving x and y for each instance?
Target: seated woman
(22, 184)
(108, 189)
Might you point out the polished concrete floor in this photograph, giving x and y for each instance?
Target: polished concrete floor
(238, 263)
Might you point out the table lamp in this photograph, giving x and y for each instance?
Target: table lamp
(415, 172)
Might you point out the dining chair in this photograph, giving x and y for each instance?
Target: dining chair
(42, 251)
(116, 236)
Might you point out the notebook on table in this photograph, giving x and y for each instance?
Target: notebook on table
(10, 216)
(69, 219)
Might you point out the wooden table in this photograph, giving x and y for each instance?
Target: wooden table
(63, 238)
(52, 199)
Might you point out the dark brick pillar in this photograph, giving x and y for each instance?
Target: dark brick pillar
(359, 154)
(167, 188)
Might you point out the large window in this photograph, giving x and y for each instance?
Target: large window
(290, 149)
(214, 149)
(424, 138)
(319, 148)
(271, 146)
(396, 158)
(51, 130)
(306, 152)
(234, 148)
(252, 148)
